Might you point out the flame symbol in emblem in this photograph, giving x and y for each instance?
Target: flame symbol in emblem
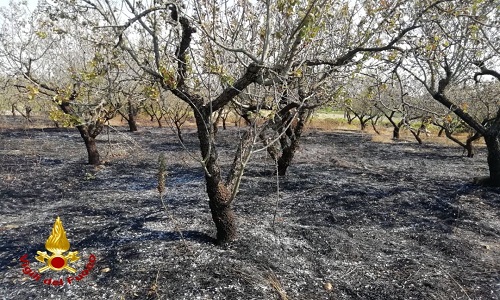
(57, 243)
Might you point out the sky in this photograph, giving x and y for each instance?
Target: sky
(31, 3)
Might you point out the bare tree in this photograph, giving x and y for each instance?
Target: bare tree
(455, 49)
(208, 73)
(81, 80)
(178, 113)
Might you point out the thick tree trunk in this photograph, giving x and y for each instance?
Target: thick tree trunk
(363, 123)
(284, 161)
(93, 154)
(396, 133)
(287, 153)
(91, 146)
(222, 211)
(132, 124)
(493, 144)
(220, 197)
(132, 112)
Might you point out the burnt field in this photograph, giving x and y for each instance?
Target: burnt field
(353, 219)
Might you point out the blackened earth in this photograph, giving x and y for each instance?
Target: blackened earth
(353, 219)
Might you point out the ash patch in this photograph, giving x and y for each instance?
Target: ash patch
(375, 221)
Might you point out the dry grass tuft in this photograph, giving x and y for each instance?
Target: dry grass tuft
(275, 283)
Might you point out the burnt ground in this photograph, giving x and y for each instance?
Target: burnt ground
(353, 219)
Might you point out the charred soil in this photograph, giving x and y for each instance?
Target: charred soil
(353, 219)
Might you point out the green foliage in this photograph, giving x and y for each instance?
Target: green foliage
(152, 92)
(169, 76)
(42, 34)
(32, 92)
(287, 6)
(63, 119)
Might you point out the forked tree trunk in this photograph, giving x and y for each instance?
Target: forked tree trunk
(493, 144)
(396, 133)
(415, 135)
(469, 146)
(374, 122)
(362, 123)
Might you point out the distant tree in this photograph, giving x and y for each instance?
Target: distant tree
(395, 104)
(130, 106)
(359, 100)
(178, 113)
(155, 105)
(281, 134)
(79, 80)
(349, 38)
(456, 45)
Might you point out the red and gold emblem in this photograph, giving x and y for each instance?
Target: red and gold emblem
(57, 244)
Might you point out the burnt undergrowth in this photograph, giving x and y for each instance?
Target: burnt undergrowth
(376, 221)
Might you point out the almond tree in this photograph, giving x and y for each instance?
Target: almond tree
(202, 54)
(339, 46)
(459, 44)
(55, 59)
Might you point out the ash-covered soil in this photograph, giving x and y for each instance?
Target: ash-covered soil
(353, 219)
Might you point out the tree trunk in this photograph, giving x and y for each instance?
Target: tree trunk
(224, 125)
(492, 140)
(469, 146)
(132, 112)
(90, 145)
(396, 133)
(132, 124)
(93, 154)
(284, 161)
(374, 122)
(347, 115)
(415, 135)
(222, 211)
(220, 197)
(363, 124)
